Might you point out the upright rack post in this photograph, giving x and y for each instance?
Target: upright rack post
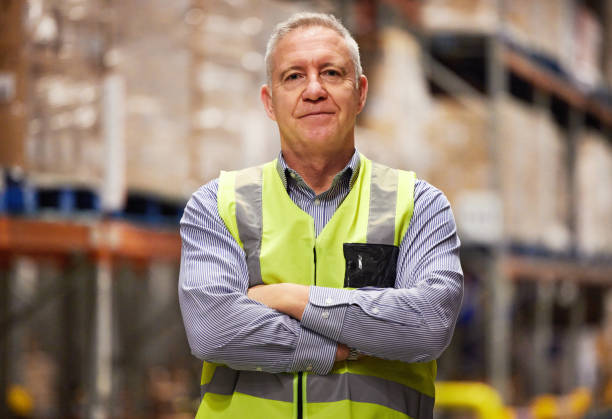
(103, 344)
(499, 322)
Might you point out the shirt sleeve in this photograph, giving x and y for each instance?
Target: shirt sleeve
(222, 324)
(413, 322)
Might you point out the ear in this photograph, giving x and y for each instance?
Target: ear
(363, 92)
(266, 98)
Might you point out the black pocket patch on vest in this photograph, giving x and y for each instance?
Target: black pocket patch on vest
(370, 265)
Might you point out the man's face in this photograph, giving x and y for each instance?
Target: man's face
(313, 95)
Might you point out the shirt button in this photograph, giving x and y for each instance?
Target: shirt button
(325, 314)
(309, 368)
(329, 301)
(317, 201)
(375, 310)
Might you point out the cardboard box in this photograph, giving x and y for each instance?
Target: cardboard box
(392, 129)
(594, 193)
(533, 175)
(531, 165)
(13, 111)
(63, 143)
(460, 15)
(586, 65)
(12, 16)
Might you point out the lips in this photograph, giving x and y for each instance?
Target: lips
(317, 113)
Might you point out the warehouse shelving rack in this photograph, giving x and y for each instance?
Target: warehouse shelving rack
(106, 245)
(503, 67)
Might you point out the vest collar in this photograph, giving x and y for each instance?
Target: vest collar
(351, 169)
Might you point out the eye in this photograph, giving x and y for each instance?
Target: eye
(331, 75)
(293, 77)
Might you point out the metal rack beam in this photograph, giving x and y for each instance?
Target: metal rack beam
(103, 242)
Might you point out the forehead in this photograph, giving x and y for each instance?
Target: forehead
(311, 43)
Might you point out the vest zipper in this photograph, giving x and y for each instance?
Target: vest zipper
(300, 405)
(299, 396)
(314, 250)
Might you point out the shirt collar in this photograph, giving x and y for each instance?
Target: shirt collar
(351, 169)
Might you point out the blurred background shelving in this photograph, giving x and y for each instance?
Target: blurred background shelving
(113, 112)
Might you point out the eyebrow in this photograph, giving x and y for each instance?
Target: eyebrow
(292, 68)
(326, 64)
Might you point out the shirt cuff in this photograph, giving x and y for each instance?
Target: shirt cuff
(313, 353)
(325, 310)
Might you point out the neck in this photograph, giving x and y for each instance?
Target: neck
(318, 171)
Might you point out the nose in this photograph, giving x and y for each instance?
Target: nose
(314, 90)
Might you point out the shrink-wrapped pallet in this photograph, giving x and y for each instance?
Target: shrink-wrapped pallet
(594, 193)
(570, 39)
(398, 103)
(459, 150)
(460, 15)
(12, 85)
(230, 127)
(66, 46)
(533, 176)
(12, 106)
(151, 55)
(530, 166)
(64, 145)
(585, 61)
(522, 23)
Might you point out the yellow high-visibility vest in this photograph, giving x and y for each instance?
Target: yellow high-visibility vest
(281, 246)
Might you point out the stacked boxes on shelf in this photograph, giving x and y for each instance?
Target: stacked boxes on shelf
(446, 141)
(586, 50)
(522, 20)
(534, 176)
(460, 15)
(531, 165)
(191, 73)
(152, 57)
(569, 42)
(230, 128)
(457, 137)
(12, 84)
(66, 50)
(594, 199)
(391, 129)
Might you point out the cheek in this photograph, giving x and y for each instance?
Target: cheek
(349, 102)
(284, 105)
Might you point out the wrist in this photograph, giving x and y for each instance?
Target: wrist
(295, 299)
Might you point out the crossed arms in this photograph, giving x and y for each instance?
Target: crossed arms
(289, 327)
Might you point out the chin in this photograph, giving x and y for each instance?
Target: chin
(321, 134)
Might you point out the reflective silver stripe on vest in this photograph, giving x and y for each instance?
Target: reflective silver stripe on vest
(226, 381)
(249, 218)
(223, 382)
(368, 389)
(383, 199)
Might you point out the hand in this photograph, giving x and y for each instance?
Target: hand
(342, 352)
(287, 298)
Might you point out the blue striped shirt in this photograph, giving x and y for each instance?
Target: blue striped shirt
(412, 322)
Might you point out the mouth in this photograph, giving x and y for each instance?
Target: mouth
(316, 114)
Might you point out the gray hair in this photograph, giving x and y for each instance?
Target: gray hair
(307, 19)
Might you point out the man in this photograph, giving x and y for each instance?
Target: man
(320, 284)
